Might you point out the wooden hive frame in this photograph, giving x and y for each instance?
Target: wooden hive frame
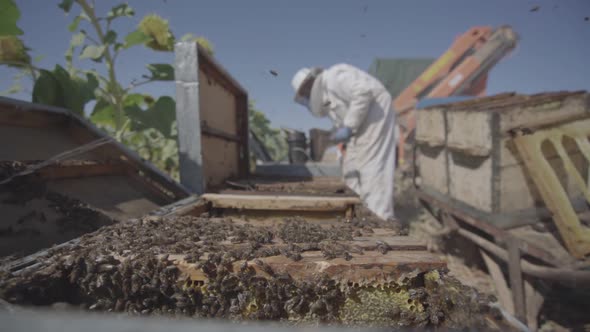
(406, 253)
(530, 146)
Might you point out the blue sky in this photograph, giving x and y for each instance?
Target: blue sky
(251, 37)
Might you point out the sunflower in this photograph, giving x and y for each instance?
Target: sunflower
(13, 50)
(158, 29)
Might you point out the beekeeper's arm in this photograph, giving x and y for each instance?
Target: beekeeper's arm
(356, 89)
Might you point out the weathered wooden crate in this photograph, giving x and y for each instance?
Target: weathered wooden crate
(61, 177)
(466, 152)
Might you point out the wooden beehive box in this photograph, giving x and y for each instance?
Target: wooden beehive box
(212, 117)
(465, 150)
(50, 194)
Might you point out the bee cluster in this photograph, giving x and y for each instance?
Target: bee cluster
(41, 213)
(126, 267)
(297, 230)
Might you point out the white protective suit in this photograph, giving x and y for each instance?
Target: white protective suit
(355, 99)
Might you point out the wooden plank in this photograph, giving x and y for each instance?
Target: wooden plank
(548, 240)
(307, 170)
(278, 202)
(509, 155)
(63, 131)
(190, 206)
(585, 217)
(518, 191)
(243, 132)
(575, 235)
(30, 261)
(220, 161)
(533, 215)
(78, 170)
(470, 180)
(220, 84)
(279, 215)
(218, 108)
(207, 130)
(393, 242)
(502, 290)
(13, 115)
(551, 111)
(29, 143)
(534, 303)
(369, 267)
(85, 132)
(153, 188)
(516, 280)
(216, 70)
(431, 127)
(216, 104)
(81, 134)
(470, 132)
(472, 217)
(364, 244)
(323, 186)
(434, 168)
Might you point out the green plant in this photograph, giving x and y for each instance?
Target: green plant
(272, 138)
(141, 121)
(13, 52)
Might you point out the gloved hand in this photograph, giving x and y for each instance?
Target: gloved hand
(342, 135)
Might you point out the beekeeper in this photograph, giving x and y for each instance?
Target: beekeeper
(360, 108)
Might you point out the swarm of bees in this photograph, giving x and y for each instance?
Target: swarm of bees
(129, 267)
(297, 230)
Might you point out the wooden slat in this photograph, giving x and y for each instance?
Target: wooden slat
(575, 235)
(371, 266)
(190, 206)
(451, 207)
(213, 68)
(15, 116)
(516, 280)
(242, 125)
(152, 187)
(66, 171)
(280, 202)
(84, 132)
(532, 215)
(393, 242)
(502, 290)
(207, 130)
